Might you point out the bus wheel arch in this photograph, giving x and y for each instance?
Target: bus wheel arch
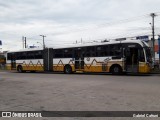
(67, 69)
(116, 69)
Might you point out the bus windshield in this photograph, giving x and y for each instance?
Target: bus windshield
(148, 54)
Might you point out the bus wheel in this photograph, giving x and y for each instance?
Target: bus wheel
(116, 70)
(67, 69)
(20, 69)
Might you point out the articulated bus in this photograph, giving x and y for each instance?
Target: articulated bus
(115, 57)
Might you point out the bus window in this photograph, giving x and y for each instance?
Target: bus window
(148, 54)
(38, 54)
(115, 50)
(30, 55)
(105, 50)
(18, 56)
(59, 53)
(141, 55)
(9, 56)
(89, 52)
(23, 55)
(98, 51)
(13, 56)
(68, 53)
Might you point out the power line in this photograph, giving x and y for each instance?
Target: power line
(94, 26)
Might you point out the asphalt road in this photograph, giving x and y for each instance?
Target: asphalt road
(78, 92)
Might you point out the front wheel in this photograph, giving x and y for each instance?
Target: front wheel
(20, 69)
(67, 69)
(116, 70)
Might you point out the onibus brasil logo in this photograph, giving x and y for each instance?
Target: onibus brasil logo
(21, 114)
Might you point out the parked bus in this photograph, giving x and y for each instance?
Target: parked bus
(114, 56)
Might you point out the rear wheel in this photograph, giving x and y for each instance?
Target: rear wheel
(116, 70)
(67, 69)
(20, 69)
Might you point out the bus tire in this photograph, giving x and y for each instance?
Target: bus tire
(19, 69)
(116, 70)
(67, 69)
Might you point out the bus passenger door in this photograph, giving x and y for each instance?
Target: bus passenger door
(79, 59)
(131, 59)
(13, 62)
(48, 59)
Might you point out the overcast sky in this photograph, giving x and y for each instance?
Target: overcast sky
(65, 21)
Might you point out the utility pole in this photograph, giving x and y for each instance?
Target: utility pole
(25, 42)
(153, 34)
(43, 41)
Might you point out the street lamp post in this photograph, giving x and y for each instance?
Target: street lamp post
(153, 34)
(43, 41)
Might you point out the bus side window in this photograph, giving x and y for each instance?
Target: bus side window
(38, 54)
(59, 53)
(68, 53)
(115, 50)
(13, 56)
(98, 51)
(30, 55)
(93, 54)
(118, 50)
(9, 56)
(127, 52)
(89, 52)
(141, 55)
(23, 57)
(18, 54)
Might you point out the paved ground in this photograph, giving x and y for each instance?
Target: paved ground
(78, 92)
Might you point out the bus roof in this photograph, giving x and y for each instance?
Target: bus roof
(27, 49)
(142, 43)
